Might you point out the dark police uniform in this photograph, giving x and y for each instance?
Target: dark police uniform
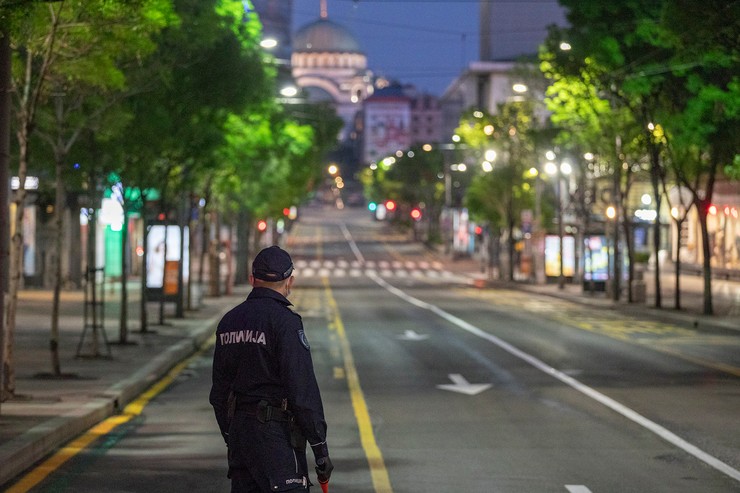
(264, 389)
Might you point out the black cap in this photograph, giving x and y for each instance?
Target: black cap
(272, 264)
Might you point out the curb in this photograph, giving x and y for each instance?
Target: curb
(21, 453)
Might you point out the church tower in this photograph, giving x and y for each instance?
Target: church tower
(328, 64)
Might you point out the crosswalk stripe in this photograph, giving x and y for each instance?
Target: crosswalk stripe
(343, 268)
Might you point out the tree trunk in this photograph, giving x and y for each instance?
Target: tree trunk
(242, 247)
(655, 181)
(123, 325)
(707, 250)
(5, 55)
(677, 286)
(16, 265)
(58, 224)
(143, 302)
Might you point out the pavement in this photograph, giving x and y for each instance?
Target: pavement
(98, 382)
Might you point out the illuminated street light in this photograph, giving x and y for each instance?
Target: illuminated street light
(289, 91)
(519, 88)
(611, 212)
(490, 155)
(565, 46)
(268, 43)
(333, 169)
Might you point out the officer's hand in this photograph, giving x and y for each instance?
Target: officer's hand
(324, 467)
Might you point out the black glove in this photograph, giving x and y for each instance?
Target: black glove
(324, 467)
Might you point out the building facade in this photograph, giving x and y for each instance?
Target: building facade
(328, 65)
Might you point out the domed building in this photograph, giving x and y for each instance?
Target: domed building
(328, 64)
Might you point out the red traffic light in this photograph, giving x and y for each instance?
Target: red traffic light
(478, 230)
(416, 214)
(390, 205)
(261, 225)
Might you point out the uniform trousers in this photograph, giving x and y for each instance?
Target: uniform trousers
(261, 459)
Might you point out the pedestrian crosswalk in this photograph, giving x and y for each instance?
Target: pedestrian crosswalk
(428, 270)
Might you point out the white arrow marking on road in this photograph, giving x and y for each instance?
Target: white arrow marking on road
(459, 384)
(615, 406)
(577, 488)
(411, 335)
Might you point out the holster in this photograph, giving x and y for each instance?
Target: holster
(266, 412)
(297, 438)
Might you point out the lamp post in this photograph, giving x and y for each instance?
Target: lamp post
(612, 278)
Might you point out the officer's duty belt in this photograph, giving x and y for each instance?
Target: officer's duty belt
(265, 412)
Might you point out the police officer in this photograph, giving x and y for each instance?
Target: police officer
(264, 392)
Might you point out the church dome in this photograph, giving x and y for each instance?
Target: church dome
(324, 36)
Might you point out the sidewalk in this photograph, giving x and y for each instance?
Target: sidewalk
(725, 296)
(47, 412)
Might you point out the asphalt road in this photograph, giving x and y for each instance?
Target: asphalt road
(431, 384)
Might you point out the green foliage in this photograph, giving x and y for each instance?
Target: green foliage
(499, 196)
(207, 67)
(267, 162)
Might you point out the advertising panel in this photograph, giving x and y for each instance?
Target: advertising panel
(155, 268)
(596, 263)
(552, 256)
(387, 129)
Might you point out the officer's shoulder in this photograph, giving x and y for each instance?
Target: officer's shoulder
(291, 310)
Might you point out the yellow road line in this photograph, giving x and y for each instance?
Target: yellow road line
(378, 472)
(77, 445)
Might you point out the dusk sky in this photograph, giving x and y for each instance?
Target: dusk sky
(428, 42)
(425, 43)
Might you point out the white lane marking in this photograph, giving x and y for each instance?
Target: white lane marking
(412, 335)
(352, 244)
(461, 385)
(625, 411)
(577, 488)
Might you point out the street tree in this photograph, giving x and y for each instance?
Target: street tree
(96, 43)
(206, 67)
(269, 162)
(502, 192)
(594, 111)
(412, 180)
(48, 39)
(676, 77)
(704, 119)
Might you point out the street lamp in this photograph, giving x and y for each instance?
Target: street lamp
(611, 214)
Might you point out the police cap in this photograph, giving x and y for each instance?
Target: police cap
(272, 264)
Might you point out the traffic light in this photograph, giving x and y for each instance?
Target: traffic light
(261, 225)
(372, 206)
(416, 214)
(390, 205)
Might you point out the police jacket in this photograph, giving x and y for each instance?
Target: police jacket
(262, 353)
